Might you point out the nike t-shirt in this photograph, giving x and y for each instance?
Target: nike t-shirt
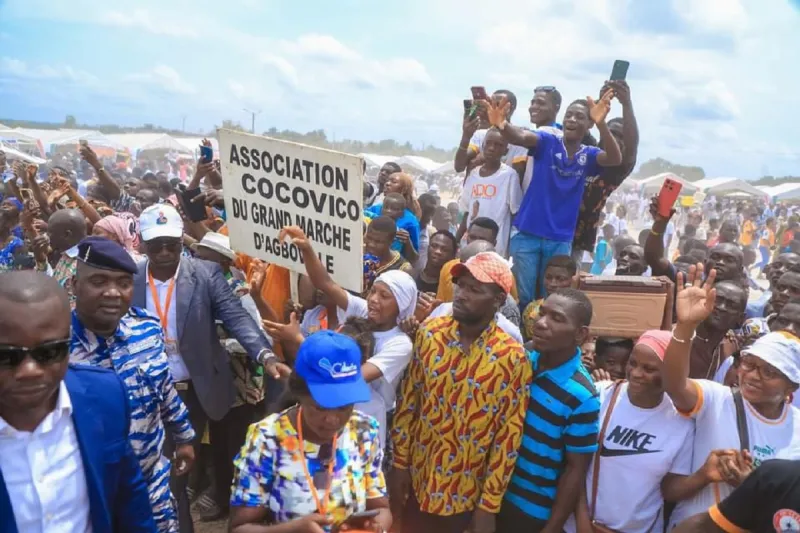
(715, 417)
(641, 447)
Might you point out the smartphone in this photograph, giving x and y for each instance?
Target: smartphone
(479, 93)
(196, 211)
(206, 154)
(620, 70)
(26, 194)
(470, 108)
(669, 193)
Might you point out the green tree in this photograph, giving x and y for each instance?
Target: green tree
(660, 165)
(70, 122)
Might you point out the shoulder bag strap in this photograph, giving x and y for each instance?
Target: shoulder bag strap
(741, 419)
(600, 439)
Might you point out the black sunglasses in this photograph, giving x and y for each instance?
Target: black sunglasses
(544, 88)
(157, 245)
(44, 354)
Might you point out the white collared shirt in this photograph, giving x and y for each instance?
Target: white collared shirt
(44, 474)
(176, 365)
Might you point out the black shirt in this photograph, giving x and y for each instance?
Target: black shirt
(767, 501)
(424, 286)
(595, 193)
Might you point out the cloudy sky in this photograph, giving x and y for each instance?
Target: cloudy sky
(714, 82)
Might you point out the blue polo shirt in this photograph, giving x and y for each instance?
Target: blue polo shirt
(562, 417)
(552, 202)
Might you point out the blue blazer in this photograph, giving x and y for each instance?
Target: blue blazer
(118, 499)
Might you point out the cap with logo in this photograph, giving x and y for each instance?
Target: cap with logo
(160, 220)
(330, 364)
(486, 267)
(99, 252)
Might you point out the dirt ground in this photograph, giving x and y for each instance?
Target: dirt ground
(220, 526)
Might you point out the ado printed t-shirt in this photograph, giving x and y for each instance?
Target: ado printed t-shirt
(715, 416)
(496, 196)
(552, 202)
(641, 446)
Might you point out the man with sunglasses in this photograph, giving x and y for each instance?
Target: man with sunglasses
(65, 461)
(188, 296)
(109, 333)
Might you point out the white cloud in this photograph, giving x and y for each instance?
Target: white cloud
(165, 78)
(12, 67)
(142, 19)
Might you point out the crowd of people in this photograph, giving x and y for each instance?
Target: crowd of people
(151, 375)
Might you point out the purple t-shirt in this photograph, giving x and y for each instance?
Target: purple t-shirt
(551, 204)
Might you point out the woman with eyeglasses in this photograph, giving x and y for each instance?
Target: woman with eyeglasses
(315, 467)
(736, 429)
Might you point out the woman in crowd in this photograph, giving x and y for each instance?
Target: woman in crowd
(392, 299)
(119, 230)
(10, 209)
(642, 440)
(318, 462)
(741, 428)
(403, 184)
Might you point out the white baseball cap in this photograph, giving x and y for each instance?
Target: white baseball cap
(160, 220)
(218, 243)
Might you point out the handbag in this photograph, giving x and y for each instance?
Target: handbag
(741, 420)
(597, 527)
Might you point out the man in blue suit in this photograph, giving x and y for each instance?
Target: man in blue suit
(65, 461)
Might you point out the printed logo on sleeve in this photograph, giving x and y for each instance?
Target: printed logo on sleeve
(786, 521)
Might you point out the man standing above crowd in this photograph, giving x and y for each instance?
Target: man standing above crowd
(189, 295)
(549, 211)
(65, 461)
(109, 333)
(66, 228)
(461, 411)
(599, 188)
(561, 423)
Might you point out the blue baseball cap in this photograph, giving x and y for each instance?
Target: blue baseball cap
(330, 363)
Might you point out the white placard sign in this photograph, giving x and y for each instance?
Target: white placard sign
(270, 184)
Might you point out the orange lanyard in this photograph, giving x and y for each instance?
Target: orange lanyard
(163, 315)
(321, 508)
(323, 319)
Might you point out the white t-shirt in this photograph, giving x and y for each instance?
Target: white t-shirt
(497, 196)
(515, 154)
(641, 447)
(503, 323)
(726, 365)
(392, 355)
(715, 417)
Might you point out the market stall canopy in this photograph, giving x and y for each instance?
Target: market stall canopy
(12, 154)
(375, 160)
(418, 163)
(136, 142)
(652, 185)
(784, 191)
(446, 168)
(726, 186)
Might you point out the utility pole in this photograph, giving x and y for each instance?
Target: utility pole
(183, 123)
(253, 119)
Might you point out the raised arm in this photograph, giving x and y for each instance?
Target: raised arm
(109, 185)
(630, 128)
(598, 111)
(498, 113)
(694, 303)
(654, 246)
(314, 267)
(465, 152)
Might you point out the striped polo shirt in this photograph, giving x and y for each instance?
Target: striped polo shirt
(562, 417)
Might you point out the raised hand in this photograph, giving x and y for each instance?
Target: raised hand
(89, 156)
(297, 236)
(284, 332)
(598, 110)
(695, 300)
(496, 111)
(622, 91)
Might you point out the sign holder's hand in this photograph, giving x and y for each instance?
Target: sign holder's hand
(297, 236)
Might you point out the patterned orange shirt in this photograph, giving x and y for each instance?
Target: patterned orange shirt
(459, 419)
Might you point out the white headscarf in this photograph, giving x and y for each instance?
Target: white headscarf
(403, 289)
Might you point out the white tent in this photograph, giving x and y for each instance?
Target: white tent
(724, 186)
(376, 160)
(418, 163)
(652, 185)
(136, 142)
(445, 168)
(12, 154)
(193, 143)
(784, 191)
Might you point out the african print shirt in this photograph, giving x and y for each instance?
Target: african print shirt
(459, 419)
(7, 253)
(65, 270)
(268, 472)
(136, 353)
(529, 316)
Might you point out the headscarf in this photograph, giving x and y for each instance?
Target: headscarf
(15, 202)
(780, 349)
(407, 190)
(133, 226)
(403, 289)
(657, 340)
(119, 228)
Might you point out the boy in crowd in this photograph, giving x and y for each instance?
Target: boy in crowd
(492, 190)
(560, 271)
(378, 239)
(603, 253)
(394, 207)
(549, 211)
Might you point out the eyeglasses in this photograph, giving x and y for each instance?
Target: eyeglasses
(157, 245)
(322, 477)
(44, 354)
(748, 364)
(544, 88)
